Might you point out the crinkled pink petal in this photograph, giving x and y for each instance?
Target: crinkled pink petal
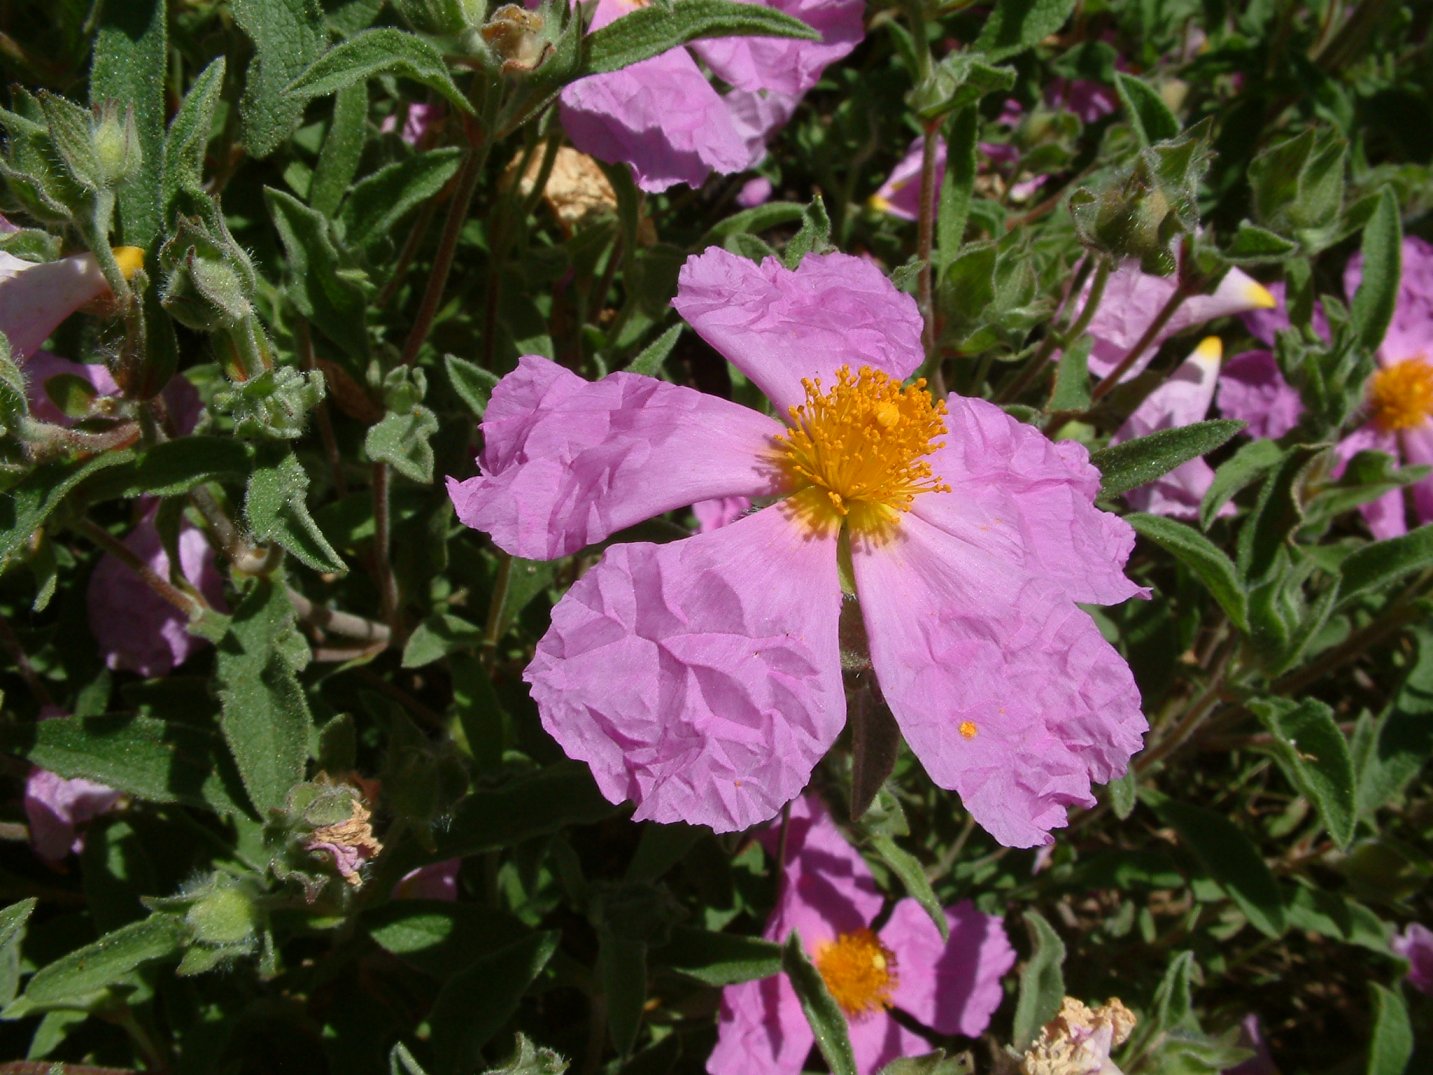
(1132, 299)
(761, 1028)
(1410, 332)
(36, 296)
(567, 462)
(661, 116)
(782, 64)
(778, 326)
(952, 986)
(714, 514)
(960, 640)
(436, 881)
(1027, 502)
(900, 194)
(1252, 389)
(827, 888)
(877, 1039)
(756, 116)
(1385, 516)
(347, 859)
(137, 630)
(1418, 450)
(55, 808)
(1180, 401)
(700, 679)
(1415, 944)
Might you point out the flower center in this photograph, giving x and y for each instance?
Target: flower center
(1401, 396)
(859, 971)
(854, 455)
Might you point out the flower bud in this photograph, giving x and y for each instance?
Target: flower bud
(515, 38)
(322, 829)
(209, 281)
(117, 151)
(225, 915)
(275, 404)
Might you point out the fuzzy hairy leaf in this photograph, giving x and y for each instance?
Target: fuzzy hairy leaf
(650, 31)
(288, 35)
(825, 1016)
(1137, 462)
(1315, 757)
(384, 51)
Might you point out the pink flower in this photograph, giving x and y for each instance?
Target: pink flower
(702, 678)
(1399, 405)
(1251, 1036)
(1180, 401)
(1132, 299)
(36, 296)
(419, 120)
(180, 397)
(1415, 944)
(138, 630)
(56, 808)
(666, 120)
(829, 898)
(754, 192)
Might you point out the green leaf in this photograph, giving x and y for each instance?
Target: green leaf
(1137, 462)
(1382, 248)
(1336, 917)
(441, 938)
(321, 291)
(77, 980)
(1153, 121)
(1210, 564)
(1123, 793)
(757, 219)
(1314, 755)
(912, 874)
(622, 971)
(174, 467)
(1173, 1000)
(476, 1002)
(1071, 392)
(534, 804)
(720, 958)
(650, 31)
(1253, 245)
(401, 439)
(155, 760)
(1237, 472)
(401, 1062)
(288, 35)
(814, 236)
(1016, 25)
(825, 1016)
(384, 51)
(12, 933)
(1042, 981)
(188, 137)
(131, 57)
(473, 384)
(936, 1063)
(530, 1059)
(263, 712)
(438, 636)
(378, 201)
(1390, 751)
(277, 510)
(342, 148)
(25, 507)
(649, 362)
(1224, 850)
(1381, 563)
(957, 187)
(1391, 1046)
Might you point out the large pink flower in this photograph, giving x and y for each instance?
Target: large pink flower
(829, 898)
(702, 678)
(667, 121)
(1399, 413)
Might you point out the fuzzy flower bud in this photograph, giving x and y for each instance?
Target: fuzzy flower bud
(209, 280)
(514, 36)
(117, 151)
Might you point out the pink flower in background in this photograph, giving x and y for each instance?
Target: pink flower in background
(1251, 1036)
(829, 898)
(418, 121)
(56, 808)
(1133, 299)
(1251, 388)
(181, 398)
(670, 124)
(1181, 400)
(436, 881)
(1415, 944)
(702, 678)
(137, 630)
(36, 296)
(1399, 395)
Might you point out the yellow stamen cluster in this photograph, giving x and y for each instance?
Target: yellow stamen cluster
(854, 455)
(1401, 396)
(859, 971)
